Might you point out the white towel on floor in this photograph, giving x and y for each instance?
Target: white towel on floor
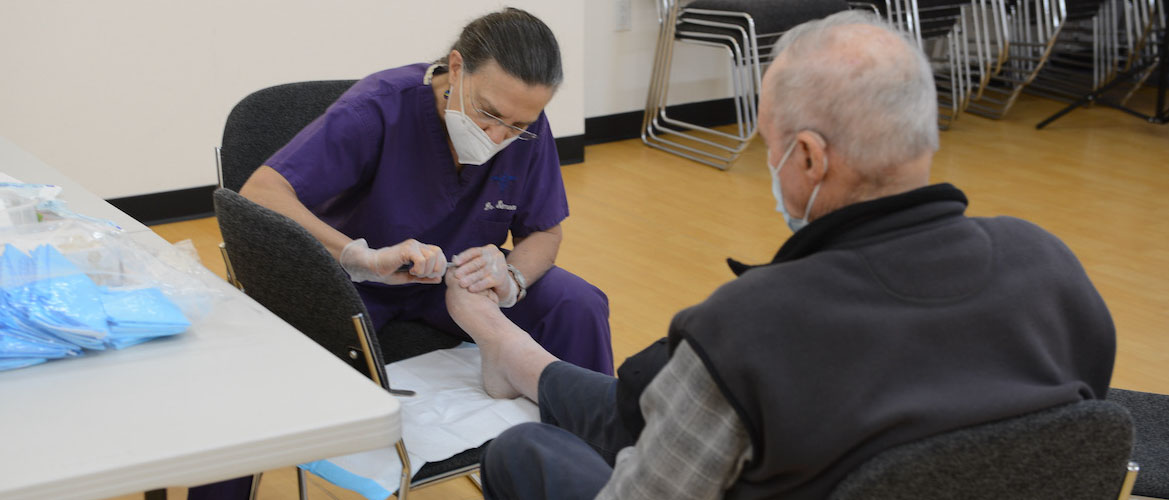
(449, 414)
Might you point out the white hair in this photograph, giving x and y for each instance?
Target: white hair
(876, 104)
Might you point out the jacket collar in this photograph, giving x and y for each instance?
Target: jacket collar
(862, 219)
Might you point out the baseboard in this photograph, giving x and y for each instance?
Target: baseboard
(168, 206)
(627, 125)
(195, 203)
(571, 149)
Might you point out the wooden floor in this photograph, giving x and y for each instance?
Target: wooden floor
(652, 230)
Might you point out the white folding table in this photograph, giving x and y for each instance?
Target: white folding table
(238, 393)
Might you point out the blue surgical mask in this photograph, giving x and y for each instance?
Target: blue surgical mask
(793, 223)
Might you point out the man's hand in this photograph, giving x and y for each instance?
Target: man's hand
(427, 262)
(485, 268)
(470, 310)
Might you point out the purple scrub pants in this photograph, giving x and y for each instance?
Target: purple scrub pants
(564, 313)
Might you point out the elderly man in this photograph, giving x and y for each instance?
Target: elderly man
(887, 317)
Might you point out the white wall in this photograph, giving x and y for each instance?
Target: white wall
(127, 97)
(619, 63)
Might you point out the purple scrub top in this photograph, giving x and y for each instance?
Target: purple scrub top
(377, 166)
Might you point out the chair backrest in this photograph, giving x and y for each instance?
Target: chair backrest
(1150, 418)
(266, 120)
(287, 270)
(1075, 451)
(775, 16)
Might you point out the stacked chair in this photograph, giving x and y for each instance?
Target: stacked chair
(1076, 65)
(942, 28)
(1030, 29)
(1083, 52)
(1060, 49)
(1101, 40)
(1149, 23)
(747, 30)
(984, 53)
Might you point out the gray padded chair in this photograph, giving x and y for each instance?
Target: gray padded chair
(261, 124)
(1150, 416)
(257, 127)
(283, 267)
(1071, 452)
(264, 121)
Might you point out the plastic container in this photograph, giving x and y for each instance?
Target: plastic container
(17, 210)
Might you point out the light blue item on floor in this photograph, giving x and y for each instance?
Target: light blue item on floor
(449, 414)
(135, 316)
(337, 475)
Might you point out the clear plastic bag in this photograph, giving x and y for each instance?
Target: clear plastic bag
(22, 204)
(18, 202)
(72, 285)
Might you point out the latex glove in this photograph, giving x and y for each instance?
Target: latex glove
(381, 265)
(471, 311)
(485, 268)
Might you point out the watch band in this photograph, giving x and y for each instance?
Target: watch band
(519, 281)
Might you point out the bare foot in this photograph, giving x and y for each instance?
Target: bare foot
(478, 314)
(495, 380)
(512, 360)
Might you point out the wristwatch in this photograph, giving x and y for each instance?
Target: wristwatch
(519, 281)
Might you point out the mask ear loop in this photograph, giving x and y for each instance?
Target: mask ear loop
(447, 94)
(462, 92)
(816, 190)
(462, 88)
(462, 101)
(812, 201)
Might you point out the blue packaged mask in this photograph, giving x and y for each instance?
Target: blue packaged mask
(22, 343)
(68, 303)
(12, 364)
(136, 316)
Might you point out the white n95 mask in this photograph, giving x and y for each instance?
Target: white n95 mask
(472, 144)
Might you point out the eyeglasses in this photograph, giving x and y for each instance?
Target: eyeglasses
(490, 120)
(513, 131)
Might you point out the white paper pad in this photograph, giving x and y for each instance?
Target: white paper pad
(449, 414)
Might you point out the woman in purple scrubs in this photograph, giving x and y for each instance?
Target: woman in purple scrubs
(429, 162)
